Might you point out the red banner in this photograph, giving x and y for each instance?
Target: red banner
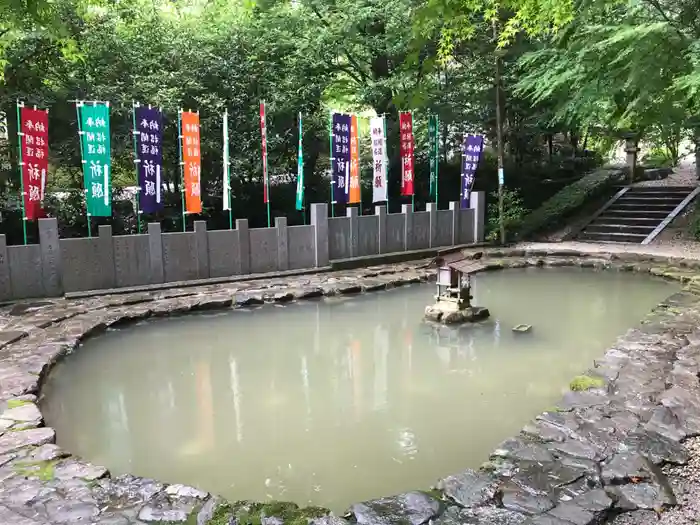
(35, 159)
(263, 133)
(192, 160)
(406, 150)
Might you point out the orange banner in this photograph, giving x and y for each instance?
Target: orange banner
(192, 163)
(354, 162)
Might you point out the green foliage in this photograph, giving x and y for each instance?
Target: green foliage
(513, 213)
(43, 470)
(568, 201)
(582, 383)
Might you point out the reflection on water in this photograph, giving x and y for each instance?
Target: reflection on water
(336, 401)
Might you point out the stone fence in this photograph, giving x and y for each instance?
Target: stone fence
(56, 266)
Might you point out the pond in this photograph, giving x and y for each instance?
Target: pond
(340, 400)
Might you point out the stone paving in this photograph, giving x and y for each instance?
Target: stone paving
(609, 449)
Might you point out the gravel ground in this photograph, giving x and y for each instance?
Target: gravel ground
(683, 175)
(686, 484)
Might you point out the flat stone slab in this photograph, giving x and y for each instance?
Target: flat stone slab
(414, 508)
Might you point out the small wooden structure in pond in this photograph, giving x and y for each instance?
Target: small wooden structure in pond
(453, 298)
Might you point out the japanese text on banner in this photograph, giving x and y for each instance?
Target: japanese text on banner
(340, 142)
(263, 133)
(192, 164)
(433, 150)
(355, 195)
(94, 123)
(379, 190)
(35, 159)
(406, 151)
(149, 148)
(471, 153)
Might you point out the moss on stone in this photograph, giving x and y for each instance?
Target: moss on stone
(16, 403)
(44, 470)
(252, 513)
(582, 383)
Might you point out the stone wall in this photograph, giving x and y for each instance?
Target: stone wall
(56, 266)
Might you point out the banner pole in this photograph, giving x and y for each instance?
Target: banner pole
(386, 162)
(330, 159)
(227, 172)
(413, 155)
(359, 162)
(182, 166)
(78, 104)
(21, 170)
(437, 157)
(136, 166)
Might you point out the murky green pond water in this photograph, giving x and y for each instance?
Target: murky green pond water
(337, 401)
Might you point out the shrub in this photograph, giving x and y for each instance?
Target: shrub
(567, 201)
(513, 213)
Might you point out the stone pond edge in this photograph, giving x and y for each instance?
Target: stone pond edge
(417, 507)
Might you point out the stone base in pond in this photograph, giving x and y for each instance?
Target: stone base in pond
(445, 315)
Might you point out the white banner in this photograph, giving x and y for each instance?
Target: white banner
(379, 161)
(227, 176)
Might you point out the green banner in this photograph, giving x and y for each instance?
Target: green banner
(300, 171)
(94, 130)
(433, 153)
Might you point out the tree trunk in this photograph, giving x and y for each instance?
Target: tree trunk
(499, 133)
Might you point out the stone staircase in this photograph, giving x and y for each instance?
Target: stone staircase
(637, 214)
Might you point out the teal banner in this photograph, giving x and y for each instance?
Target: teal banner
(94, 131)
(300, 171)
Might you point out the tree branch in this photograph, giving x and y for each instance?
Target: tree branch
(352, 61)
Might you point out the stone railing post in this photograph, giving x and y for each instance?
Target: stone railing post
(351, 212)
(407, 210)
(51, 269)
(319, 220)
(380, 212)
(454, 208)
(432, 210)
(477, 202)
(282, 243)
(243, 246)
(201, 240)
(155, 247)
(5, 282)
(106, 254)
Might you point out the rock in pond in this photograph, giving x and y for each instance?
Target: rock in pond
(412, 508)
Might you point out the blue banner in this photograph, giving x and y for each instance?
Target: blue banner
(340, 146)
(471, 154)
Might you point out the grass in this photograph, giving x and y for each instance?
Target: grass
(247, 513)
(582, 383)
(44, 470)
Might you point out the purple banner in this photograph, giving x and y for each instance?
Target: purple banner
(149, 142)
(471, 153)
(340, 145)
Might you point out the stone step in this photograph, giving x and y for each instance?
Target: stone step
(604, 227)
(637, 213)
(644, 208)
(613, 237)
(685, 190)
(631, 221)
(644, 200)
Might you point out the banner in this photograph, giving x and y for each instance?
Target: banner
(355, 192)
(340, 144)
(406, 151)
(227, 167)
(192, 164)
(149, 148)
(263, 133)
(300, 170)
(471, 153)
(35, 159)
(433, 153)
(376, 126)
(94, 128)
